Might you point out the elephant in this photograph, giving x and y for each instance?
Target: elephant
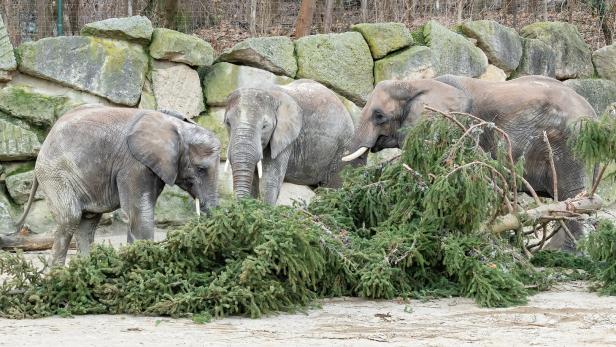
(97, 159)
(524, 108)
(295, 133)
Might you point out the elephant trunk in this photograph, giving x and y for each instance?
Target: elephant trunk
(244, 155)
(363, 141)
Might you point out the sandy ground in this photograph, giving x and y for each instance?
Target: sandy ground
(568, 315)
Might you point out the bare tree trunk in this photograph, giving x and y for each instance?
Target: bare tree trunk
(72, 8)
(364, 10)
(544, 10)
(329, 8)
(460, 9)
(171, 10)
(129, 8)
(44, 19)
(303, 24)
(607, 31)
(253, 17)
(572, 4)
(514, 8)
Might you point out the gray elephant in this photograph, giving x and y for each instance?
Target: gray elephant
(96, 159)
(295, 133)
(524, 108)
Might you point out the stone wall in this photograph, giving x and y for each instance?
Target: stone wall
(127, 62)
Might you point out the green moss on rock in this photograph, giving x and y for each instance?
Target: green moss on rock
(173, 45)
(573, 56)
(411, 63)
(7, 58)
(453, 53)
(604, 60)
(384, 38)
(35, 108)
(274, 54)
(136, 29)
(501, 44)
(342, 62)
(213, 121)
(537, 59)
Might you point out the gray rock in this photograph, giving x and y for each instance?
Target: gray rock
(537, 59)
(39, 218)
(599, 93)
(174, 207)
(605, 62)
(291, 193)
(409, 64)
(19, 185)
(214, 121)
(112, 69)
(453, 53)
(136, 29)
(494, 74)
(222, 79)
(17, 141)
(35, 108)
(177, 87)
(7, 212)
(342, 62)
(384, 38)
(7, 58)
(501, 44)
(274, 54)
(573, 56)
(182, 48)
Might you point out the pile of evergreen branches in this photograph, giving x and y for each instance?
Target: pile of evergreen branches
(417, 226)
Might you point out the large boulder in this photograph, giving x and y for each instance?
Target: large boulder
(7, 211)
(136, 29)
(112, 69)
(605, 62)
(408, 64)
(291, 193)
(453, 53)
(598, 92)
(182, 48)
(342, 62)
(19, 142)
(177, 87)
(274, 54)
(537, 59)
(501, 44)
(214, 122)
(7, 58)
(573, 56)
(384, 38)
(174, 207)
(19, 184)
(222, 79)
(34, 108)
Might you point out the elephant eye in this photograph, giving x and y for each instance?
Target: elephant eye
(379, 117)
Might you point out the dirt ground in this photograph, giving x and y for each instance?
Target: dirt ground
(567, 315)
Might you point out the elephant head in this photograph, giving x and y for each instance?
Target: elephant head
(260, 122)
(179, 152)
(395, 105)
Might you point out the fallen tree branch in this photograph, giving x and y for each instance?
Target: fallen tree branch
(514, 221)
(552, 166)
(26, 240)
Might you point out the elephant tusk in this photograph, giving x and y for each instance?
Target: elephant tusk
(260, 169)
(197, 207)
(226, 166)
(355, 155)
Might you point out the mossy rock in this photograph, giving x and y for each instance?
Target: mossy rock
(342, 62)
(7, 58)
(7, 213)
(175, 46)
(384, 38)
(453, 53)
(599, 93)
(573, 56)
(222, 79)
(538, 58)
(274, 54)
(213, 120)
(18, 142)
(112, 69)
(501, 44)
(407, 64)
(34, 108)
(19, 186)
(494, 74)
(604, 60)
(174, 207)
(136, 29)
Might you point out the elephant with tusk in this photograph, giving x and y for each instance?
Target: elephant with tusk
(295, 133)
(524, 108)
(97, 159)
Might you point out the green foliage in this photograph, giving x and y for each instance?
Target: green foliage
(601, 246)
(595, 142)
(415, 227)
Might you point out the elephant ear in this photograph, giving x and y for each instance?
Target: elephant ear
(155, 142)
(288, 124)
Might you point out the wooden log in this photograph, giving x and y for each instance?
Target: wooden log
(514, 221)
(27, 240)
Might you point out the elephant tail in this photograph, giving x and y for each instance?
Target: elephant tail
(22, 219)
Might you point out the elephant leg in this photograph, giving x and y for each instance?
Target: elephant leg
(87, 227)
(68, 224)
(138, 193)
(274, 171)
